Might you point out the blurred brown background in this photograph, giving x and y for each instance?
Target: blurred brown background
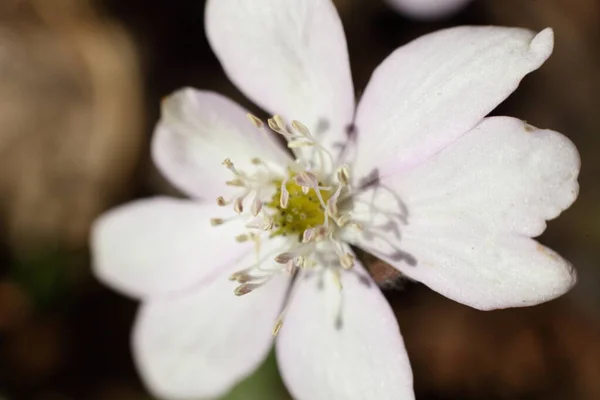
(80, 86)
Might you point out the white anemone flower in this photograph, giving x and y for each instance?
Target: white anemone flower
(428, 9)
(416, 174)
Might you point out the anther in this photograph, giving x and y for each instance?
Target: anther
(301, 261)
(238, 205)
(255, 121)
(300, 128)
(279, 121)
(290, 267)
(347, 261)
(306, 178)
(227, 163)
(245, 288)
(235, 182)
(343, 175)
(241, 277)
(284, 258)
(278, 125)
(308, 235)
(273, 125)
(285, 195)
(221, 201)
(217, 221)
(256, 207)
(242, 238)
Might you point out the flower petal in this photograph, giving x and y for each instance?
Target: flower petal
(289, 57)
(160, 245)
(342, 344)
(432, 90)
(460, 222)
(200, 129)
(202, 344)
(427, 9)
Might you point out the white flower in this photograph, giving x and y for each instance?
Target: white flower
(416, 175)
(427, 9)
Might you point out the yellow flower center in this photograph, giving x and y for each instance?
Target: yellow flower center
(303, 211)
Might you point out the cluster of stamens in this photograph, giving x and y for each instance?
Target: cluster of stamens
(305, 203)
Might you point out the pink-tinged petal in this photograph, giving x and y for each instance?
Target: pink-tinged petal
(434, 89)
(289, 57)
(427, 9)
(200, 345)
(461, 221)
(160, 245)
(200, 129)
(342, 344)
(478, 268)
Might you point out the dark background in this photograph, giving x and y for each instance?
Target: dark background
(80, 87)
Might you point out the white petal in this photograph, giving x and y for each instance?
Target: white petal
(342, 344)
(427, 9)
(432, 90)
(160, 245)
(289, 57)
(197, 131)
(460, 222)
(202, 344)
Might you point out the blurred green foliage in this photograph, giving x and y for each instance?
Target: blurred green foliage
(263, 384)
(43, 276)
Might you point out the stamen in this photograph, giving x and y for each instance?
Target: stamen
(235, 182)
(229, 165)
(303, 202)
